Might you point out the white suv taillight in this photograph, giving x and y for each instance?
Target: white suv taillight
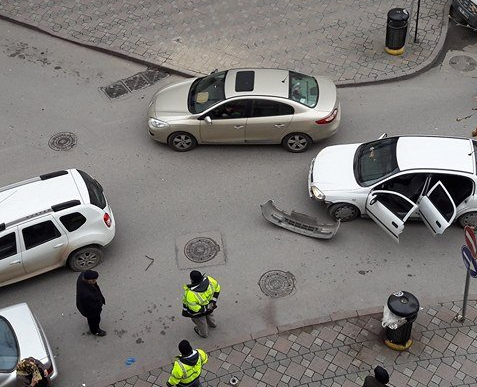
(107, 219)
(329, 118)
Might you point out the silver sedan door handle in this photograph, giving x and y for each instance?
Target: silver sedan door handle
(238, 126)
(279, 125)
(58, 245)
(15, 262)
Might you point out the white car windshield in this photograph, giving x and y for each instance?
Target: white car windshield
(375, 160)
(206, 92)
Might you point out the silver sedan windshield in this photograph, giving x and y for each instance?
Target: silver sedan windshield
(206, 92)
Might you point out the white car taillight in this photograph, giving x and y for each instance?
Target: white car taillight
(107, 219)
(329, 118)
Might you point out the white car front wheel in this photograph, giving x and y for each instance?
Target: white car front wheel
(344, 212)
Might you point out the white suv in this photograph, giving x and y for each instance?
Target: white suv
(57, 219)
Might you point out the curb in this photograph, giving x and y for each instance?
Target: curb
(333, 317)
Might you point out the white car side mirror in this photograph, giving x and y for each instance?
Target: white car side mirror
(207, 119)
(384, 135)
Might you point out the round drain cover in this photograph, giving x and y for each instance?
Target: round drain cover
(463, 63)
(277, 283)
(201, 249)
(62, 141)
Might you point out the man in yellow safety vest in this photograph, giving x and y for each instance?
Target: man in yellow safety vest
(187, 367)
(200, 300)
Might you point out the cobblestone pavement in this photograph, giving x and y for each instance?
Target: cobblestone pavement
(343, 39)
(341, 350)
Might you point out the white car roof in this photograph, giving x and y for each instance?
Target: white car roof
(32, 197)
(446, 153)
(266, 82)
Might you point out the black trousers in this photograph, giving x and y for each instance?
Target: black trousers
(93, 323)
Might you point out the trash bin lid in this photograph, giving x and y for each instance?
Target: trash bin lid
(403, 304)
(398, 14)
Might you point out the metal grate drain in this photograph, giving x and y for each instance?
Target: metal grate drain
(463, 63)
(201, 249)
(277, 283)
(62, 141)
(136, 82)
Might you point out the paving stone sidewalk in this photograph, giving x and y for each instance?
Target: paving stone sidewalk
(343, 39)
(341, 351)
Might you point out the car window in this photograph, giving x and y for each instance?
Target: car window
(9, 352)
(8, 245)
(267, 108)
(459, 187)
(230, 110)
(396, 204)
(206, 92)
(410, 185)
(442, 202)
(303, 88)
(40, 233)
(95, 191)
(73, 221)
(375, 160)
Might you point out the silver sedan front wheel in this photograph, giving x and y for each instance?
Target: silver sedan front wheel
(182, 141)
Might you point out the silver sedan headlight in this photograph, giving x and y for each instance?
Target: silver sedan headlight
(317, 194)
(154, 123)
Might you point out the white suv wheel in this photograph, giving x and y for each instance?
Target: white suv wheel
(85, 259)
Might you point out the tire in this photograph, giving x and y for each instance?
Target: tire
(468, 219)
(344, 212)
(85, 258)
(457, 16)
(182, 141)
(297, 142)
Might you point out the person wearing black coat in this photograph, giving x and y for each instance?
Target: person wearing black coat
(90, 300)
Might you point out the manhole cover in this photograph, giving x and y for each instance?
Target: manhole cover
(63, 141)
(277, 283)
(201, 249)
(463, 63)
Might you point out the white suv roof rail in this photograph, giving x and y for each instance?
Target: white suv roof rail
(54, 208)
(46, 176)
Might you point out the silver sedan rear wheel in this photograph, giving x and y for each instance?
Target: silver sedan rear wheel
(297, 142)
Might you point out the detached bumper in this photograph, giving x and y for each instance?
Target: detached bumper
(299, 223)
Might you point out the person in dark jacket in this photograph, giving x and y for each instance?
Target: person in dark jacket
(31, 373)
(380, 378)
(90, 300)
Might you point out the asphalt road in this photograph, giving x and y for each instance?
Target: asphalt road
(161, 198)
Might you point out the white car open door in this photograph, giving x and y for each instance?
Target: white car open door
(390, 210)
(437, 209)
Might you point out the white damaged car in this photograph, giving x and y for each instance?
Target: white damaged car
(397, 178)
